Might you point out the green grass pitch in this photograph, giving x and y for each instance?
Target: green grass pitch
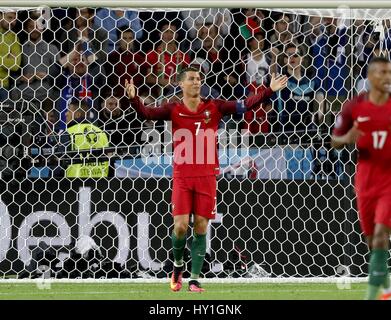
(161, 291)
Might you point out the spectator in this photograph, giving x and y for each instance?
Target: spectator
(257, 74)
(10, 51)
(387, 36)
(300, 104)
(165, 61)
(330, 62)
(209, 40)
(232, 89)
(122, 127)
(282, 34)
(257, 62)
(212, 52)
(111, 20)
(79, 80)
(195, 19)
(361, 81)
(91, 39)
(85, 136)
(207, 30)
(301, 108)
(252, 23)
(124, 62)
(281, 37)
(51, 119)
(312, 30)
(40, 68)
(47, 138)
(367, 45)
(224, 71)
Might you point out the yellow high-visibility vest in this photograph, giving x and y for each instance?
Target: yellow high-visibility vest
(86, 137)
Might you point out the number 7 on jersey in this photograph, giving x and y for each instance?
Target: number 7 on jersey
(198, 126)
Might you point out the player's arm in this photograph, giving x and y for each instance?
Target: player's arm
(346, 129)
(241, 106)
(349, 137)
(147, 113)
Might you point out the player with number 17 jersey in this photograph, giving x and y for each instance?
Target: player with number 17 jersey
(373, 177)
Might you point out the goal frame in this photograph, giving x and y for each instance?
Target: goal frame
(272, 4)
(156, 4)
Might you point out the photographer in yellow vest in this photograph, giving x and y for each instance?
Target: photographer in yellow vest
(85, 136)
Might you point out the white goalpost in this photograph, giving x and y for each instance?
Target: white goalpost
(332, 4)
(286, 208)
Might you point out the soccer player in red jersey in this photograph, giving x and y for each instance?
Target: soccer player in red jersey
(194, 126)
(366, 121)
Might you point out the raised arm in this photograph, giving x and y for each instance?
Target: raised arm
(146, 113)
(242, 106)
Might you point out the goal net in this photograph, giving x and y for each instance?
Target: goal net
(93, 199)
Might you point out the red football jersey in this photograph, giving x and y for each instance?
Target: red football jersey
(375, 122)
(194, 134)
(373, 172)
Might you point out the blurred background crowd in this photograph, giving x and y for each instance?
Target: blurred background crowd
(72, 67)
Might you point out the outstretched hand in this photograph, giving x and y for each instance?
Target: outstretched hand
(278, 82)
(130, 89)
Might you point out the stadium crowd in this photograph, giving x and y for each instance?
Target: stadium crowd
(87, 54)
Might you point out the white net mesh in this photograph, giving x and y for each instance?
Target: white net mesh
(93, 201)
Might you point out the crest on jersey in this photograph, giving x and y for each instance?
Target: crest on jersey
(207, 116)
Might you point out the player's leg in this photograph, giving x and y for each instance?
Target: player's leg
(369, 240)
(366, 209)
(182, 203)
(383, 218)
(386, 295)
(204, 210)
(198, 250)
(381, 239)
(181, 224)
(378, 269)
